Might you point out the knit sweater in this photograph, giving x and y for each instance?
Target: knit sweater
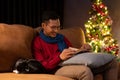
(47, 53)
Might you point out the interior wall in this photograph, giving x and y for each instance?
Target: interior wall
(76, 14)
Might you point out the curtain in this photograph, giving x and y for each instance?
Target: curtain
(28, 12)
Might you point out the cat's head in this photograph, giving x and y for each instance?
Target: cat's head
(20, 66)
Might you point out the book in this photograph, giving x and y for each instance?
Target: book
(77, 50)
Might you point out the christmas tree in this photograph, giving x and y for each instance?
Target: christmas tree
(98, 29)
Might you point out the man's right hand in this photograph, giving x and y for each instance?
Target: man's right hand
(67, 53)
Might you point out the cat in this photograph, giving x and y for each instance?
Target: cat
(28, 66)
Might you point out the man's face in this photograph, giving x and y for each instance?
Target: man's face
(51, 27)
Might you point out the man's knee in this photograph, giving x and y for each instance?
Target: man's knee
(87, 74)
(76, 71)
(87, 70)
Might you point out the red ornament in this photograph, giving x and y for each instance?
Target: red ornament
(102, 5)
(93, 6)
(116, 53)
(107, 20)
(102, 13)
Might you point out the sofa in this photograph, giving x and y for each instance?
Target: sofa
(16, 42)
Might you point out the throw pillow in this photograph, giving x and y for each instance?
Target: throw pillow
(91, 59)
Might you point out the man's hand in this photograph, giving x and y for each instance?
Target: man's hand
(67, 53)
(85, 47)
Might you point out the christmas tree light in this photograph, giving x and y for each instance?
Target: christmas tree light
(98, 29)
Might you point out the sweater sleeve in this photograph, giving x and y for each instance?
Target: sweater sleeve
(52, 61)
(49, 63)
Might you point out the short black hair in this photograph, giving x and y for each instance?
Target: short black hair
(47, 15)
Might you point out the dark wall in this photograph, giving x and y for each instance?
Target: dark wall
(76, 12)
(28, 12)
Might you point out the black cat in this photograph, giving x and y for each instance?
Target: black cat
(28, 66)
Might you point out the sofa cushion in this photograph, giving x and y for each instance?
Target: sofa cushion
(12, 76)
(15, 43)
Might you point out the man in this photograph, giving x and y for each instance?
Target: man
(50, 48)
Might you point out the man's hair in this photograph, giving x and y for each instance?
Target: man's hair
(46, 16)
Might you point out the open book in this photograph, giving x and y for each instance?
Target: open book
(77, 50)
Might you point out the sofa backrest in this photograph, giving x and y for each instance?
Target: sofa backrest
(15, 43)
(75, 35)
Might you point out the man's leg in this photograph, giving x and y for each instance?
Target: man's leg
(112, 72)
(77, 72)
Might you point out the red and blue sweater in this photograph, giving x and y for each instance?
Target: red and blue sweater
(47, 53)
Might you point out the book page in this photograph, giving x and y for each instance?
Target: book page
(77, 51)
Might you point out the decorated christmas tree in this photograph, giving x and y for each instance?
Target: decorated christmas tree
(98, 29)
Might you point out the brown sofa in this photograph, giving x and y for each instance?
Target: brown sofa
(16, 42)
